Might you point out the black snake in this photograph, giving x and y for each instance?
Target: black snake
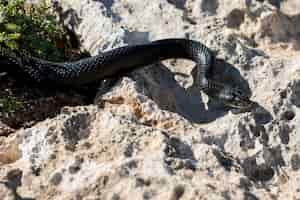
(119, 61)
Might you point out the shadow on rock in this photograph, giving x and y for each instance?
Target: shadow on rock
(108, 4)
(14, 180)
(257, 172)
(180, 4)
(178, 155)
(136, 37)
(261, 115)
(160, 85)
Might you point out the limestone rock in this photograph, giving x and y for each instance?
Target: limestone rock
(290, 7)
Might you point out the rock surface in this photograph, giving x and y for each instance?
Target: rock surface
(153, 135)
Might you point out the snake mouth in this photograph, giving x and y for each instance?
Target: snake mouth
(242, 104)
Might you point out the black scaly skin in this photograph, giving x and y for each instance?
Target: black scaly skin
(112, 63)
(117, 62)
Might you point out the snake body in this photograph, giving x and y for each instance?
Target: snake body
(117, 62)
(112, 63)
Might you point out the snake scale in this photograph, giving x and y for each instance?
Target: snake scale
(119, 61)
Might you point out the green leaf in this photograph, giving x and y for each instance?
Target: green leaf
(32, 28)
(12, 27)
(11, 44)
(14, 36)
(2, 37)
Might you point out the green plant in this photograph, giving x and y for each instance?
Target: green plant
(32, 28)
(10, 104)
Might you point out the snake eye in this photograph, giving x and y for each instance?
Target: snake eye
(238, 93)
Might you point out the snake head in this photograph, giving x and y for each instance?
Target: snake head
(233, 97)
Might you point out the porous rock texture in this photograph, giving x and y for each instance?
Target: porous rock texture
(153, 135)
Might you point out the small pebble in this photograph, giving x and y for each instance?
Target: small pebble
(287, 115)
(56, 178)
(295, 162)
